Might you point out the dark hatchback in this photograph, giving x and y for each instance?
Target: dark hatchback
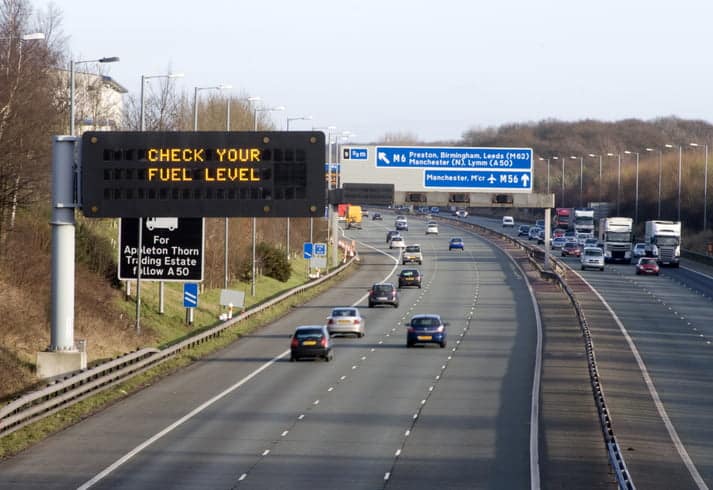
(410, 277)
(383, 293)
(377, 217)
(311, 341)
(390, 234)
(426, 329)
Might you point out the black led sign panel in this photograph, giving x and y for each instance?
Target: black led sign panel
(203, 174)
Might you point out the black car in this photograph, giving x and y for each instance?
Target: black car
(311, 341)
(410, 277)
(383, 293)
(523, 230)
(376, 216)
(390, 234)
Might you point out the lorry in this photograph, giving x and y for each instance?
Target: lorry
(563, 219)
(663, 241)
(354, 216)
(584, 220)
(615, 237)
(342, 212)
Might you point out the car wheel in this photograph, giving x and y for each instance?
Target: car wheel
(371, 305)
(396, 305)
(657, 273)
(582, 267)
(409, 344)
(601, 269)
(443, 344)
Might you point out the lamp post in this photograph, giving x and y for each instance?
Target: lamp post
(287, 128)
(618, 181)
(254, 230)
(680, 162)
(144, 79)
(593, 155)
(636, 193)
(195, 100)
(658, 210)
(72, 64)
(705, 184)
(581, 177)
(548, 171)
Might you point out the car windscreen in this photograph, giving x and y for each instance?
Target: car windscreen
(308, 333)
(344, 312)
(425, 322)
(381, 288)
(413, 248)
(408, 273)
(593, 253)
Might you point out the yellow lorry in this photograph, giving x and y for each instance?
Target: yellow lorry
(354, 217)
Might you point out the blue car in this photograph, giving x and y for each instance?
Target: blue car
(426, 329)
(456, 242)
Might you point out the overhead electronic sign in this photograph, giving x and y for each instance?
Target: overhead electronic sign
(203, 174)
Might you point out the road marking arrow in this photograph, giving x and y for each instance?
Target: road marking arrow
(382, 157)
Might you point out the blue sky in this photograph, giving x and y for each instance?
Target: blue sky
(433, 69)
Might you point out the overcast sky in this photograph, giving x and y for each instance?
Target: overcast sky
(431, 68)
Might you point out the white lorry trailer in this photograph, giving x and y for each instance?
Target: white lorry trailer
(615, 237)
(584, 220)
(663, 241)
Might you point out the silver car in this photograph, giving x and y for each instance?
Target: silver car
(346, 320)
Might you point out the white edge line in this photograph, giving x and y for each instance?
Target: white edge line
(109, 469)
(697, 272)
(687, 461)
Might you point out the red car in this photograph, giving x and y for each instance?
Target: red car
(571, 248)
(647, 265)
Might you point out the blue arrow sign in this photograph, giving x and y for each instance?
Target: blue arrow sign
(319, 249)
(478, 179)
(307, 250)
(454, 158)
(190, 295)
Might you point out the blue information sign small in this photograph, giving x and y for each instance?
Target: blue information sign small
(307, 250)
(190, 295)
(319, 249)
(478, 179)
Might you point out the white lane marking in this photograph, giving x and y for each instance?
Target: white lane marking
(301, 416)
(343, 378)
(407, 433)
(398, 451)
(316, 402)
(699, 273)
(331, 388)
(387, 475)
(284, 433)
(243, 476)
(687, 461)
(109, 469)
(265, 452)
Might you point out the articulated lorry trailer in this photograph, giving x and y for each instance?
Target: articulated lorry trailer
(615, 237)
(584, 220)
(663, 241)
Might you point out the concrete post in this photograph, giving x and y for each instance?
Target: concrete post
(547, 233)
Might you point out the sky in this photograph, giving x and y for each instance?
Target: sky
(432, 69)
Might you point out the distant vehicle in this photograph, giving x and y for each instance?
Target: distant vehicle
(615, 237)
(663, 241)
(383, 293)
(462, 213)
(558, 242)
(563, 219)
(364, 212)
(412, 253)
(592, 258)
(410, 277)
(557, 233)
(401, 224)
(533, 232)
(571, 248)
(584, 220)
(591, 242)
(376, 217)
(391, 234)
(311, 341)
(523, 230)
(169, 224)
(397, 242)
(540, 223)
(426, 329)
(647, 265)
(400, 216)
(582, 237)
(354, 216)
(456, 243)
(541, 237)
(342, 212)
(435, 210)
(639, 250)
(346, 320)
(508, 221)
(432, 228)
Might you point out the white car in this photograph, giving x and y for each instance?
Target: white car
(639, 250)
(461, 213)
(592, 257)
(397, 242)
(508, 221)
(432, 228)
(558, 242)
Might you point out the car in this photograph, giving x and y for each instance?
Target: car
(383, 293)
(558, 242)
(533, 232)
(570, 233)
(583, 237)
(592, 257)
(591, 242)
(508, 221)
(401, 224)
(390, 234)
(397, 242)
(412, 253)
(376, 217)
(410, 277)
(639, 250)
(571, 248)
(540, 223)
(541, 237)
(400, 216)
(346, 320)
(456, 243)
(435, 210)
(365, 212)
(647, 265)
(570, 239)
(462, 213)
(426, 329)
(311, 341)
(432, 228)
(523, 230)
(558, 232)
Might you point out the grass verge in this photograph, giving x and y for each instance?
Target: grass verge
(25, 437)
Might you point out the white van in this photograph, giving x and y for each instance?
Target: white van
(592, 257)
(508, 221)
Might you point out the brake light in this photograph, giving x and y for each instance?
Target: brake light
(409, 329)
(323, 342)
(330, 321)
(295, 342)
(357, 321)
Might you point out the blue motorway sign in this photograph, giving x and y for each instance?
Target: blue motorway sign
(190, 295)
(356, 154)
(454, 158)
(307, 250)
(319, 249)
(478, 179)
